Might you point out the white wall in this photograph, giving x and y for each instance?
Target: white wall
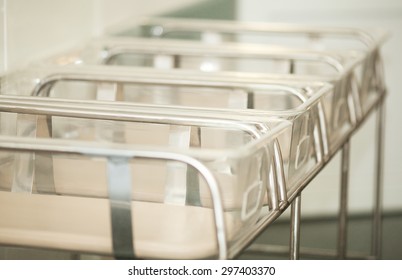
(109, 14)
(319, 196)
(38, 28)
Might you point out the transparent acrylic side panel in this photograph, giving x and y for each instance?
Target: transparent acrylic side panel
(210, 63)
(303, 150)
(339, 112)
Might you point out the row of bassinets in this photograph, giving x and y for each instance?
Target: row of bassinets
(181, 142)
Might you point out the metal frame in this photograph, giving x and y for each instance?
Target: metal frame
(118, 166)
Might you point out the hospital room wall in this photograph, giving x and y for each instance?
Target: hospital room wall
(30, 30)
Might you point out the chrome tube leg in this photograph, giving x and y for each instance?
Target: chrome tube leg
(294, 249)
(343, 210)
(376, 246)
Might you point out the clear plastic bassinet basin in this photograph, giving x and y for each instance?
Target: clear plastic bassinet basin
(66, 179)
